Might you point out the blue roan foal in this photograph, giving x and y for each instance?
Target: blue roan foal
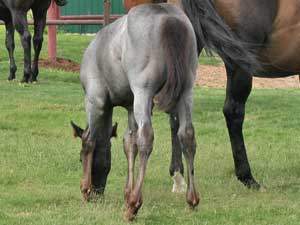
(151, 52)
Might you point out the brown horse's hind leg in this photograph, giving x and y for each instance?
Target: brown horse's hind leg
(187, 140)
(130, 150)
(239, 84)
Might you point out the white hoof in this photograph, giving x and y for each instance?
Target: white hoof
(179, 185)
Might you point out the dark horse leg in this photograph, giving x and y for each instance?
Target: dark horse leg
(21, 25)
(239, 85)
(39, 16)
(176, 166)
(10, 45)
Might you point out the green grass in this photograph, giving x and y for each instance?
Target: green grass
(40, 169)
(213, 60)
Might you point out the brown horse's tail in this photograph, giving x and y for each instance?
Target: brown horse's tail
(61, 2)
(174, 34)
(213, 33)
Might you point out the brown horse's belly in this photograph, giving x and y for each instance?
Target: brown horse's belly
(281, 55)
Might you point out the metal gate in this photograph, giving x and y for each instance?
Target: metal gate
(88, 7)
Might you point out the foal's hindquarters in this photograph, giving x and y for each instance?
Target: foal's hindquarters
(150, 52)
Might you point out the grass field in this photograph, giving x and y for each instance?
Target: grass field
(40, 169)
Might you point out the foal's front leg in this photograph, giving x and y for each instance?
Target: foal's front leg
(21, 25)
(142, 114)
(130, 150)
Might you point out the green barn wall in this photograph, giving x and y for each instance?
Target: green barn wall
(88, 7)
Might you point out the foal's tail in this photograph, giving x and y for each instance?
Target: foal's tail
(214, 34)
(174, 35)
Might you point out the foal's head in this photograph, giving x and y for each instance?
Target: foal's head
(96, 161)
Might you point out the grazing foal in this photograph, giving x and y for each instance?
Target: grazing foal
(149, 52)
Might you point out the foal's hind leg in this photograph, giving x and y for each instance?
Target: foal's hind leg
(10, 45)
(176, 166)
(21, 25)
(130, 150)
(142, 114)
(187, 140)
(39, 16)
(239, 84)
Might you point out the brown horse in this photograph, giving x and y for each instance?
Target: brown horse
(254, 38)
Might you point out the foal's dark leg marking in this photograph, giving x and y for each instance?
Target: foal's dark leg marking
(21, 25)
(176, 166)
(39, 16)
(10, 45)
(176, 160)
(239, 85)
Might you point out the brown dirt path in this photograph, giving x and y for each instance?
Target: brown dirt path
(215, 76)
(207, 76)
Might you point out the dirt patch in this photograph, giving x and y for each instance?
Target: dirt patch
(208, 76)
(215, 76)
(60, 63)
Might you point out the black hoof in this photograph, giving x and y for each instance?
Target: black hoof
(25, 80)
(251, 184)
(10, 78)
(33, 80)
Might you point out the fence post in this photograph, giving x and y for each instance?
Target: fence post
(107, 4)
(53, 14)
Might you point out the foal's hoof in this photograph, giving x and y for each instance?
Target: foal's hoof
(86, 194)
(192, 199)
(130, 214)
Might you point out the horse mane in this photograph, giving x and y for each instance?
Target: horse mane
(214, 34)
